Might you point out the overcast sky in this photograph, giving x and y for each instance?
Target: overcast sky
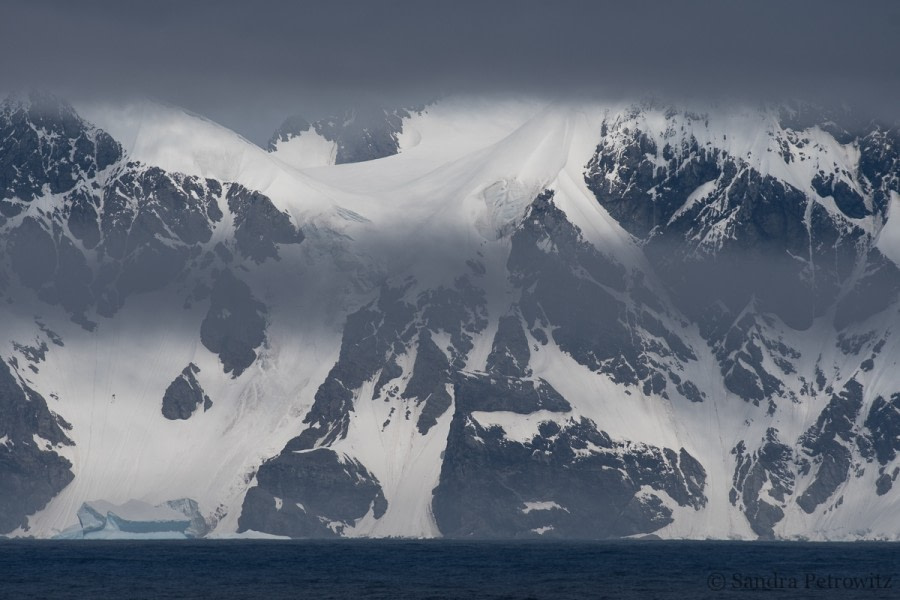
(249, 64)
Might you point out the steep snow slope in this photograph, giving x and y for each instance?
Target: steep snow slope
(180, 142)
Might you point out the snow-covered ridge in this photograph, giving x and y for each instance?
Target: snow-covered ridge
(413, 367)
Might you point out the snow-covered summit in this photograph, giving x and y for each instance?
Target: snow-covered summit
(528, 318)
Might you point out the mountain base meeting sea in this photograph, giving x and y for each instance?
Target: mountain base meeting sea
(644, 569)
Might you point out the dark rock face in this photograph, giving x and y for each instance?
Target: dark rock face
(138, 235)
(605, 478)
(823, 443)
(762, 219)
(883, 423)
(373, 336)
(498, 393)
(259, 226)
(627, 193)
(360, 135)
(573, 291)
(33, 354)
(881, 440)
(508, 384)
(377, 334)
(235, 324)
(428, 384)
(291, 128)
(771, 464)
(184, 395)
(333, 489)
(316, 493)
(363, 135)
(44, 142)
(737, 248)
(135, 230)
(186, 206)
(743, 354)
(848, 200)
(146, 244)
(509, 353)
(459, 311)
(31, 472)
(568, 481)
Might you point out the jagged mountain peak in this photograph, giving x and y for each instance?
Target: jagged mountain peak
(357, 134)
(292, 127)
(47, 145)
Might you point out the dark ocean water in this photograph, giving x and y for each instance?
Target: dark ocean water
(445, 569)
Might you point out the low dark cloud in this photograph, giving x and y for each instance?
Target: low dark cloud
(249, 63)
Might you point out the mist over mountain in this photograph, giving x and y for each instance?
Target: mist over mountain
(250, 66)
(481, 270)
(473, 318)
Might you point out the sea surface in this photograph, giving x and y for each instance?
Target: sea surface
(393, 569)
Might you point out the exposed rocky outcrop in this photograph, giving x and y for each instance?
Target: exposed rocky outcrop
(568, 481)
(31, 470)
(315, 493)
(770, 467)
(235, 324)
(359, 135)
(184, 395)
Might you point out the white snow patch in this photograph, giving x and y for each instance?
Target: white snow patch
(699, 194)
(542, 505)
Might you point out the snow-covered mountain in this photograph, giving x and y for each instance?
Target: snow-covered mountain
(522, 319)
